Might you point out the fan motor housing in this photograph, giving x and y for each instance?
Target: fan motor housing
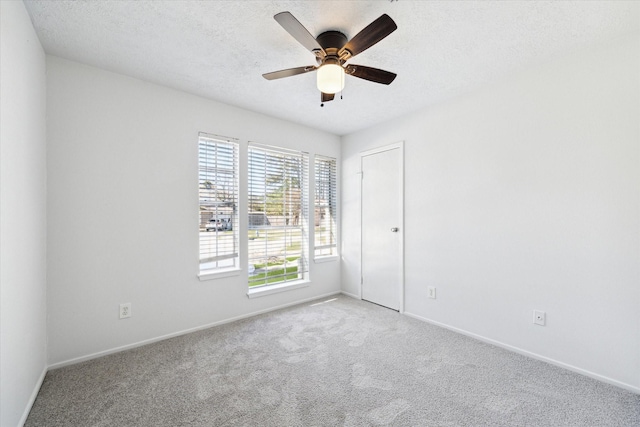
(331, 41)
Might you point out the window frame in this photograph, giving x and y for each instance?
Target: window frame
(230, 167)
(256, 167)
(331, 204)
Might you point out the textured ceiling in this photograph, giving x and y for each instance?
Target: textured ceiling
(219, 49)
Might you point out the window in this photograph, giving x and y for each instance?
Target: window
(325, 207)
(278, 215)
(218, 191)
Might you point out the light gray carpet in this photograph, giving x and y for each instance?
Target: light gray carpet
(338, 363)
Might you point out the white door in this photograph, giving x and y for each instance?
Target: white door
(382, 227)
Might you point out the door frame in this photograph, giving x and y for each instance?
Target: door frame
(397, 145)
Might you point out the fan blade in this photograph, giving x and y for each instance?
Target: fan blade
(370, 35)
(327, 97)
(298, 31)
(372, 74)
(288, 72)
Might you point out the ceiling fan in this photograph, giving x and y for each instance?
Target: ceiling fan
(332, 51)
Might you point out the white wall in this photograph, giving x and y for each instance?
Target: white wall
(123, 210)
(23, 210)
(525, 195)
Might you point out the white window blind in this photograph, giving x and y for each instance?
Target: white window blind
(218, 191)
(278, 203)
(325, 207)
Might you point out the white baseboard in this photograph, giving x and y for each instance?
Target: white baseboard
(183, 332)
(32, 399)
(527, 353)
(350, 295)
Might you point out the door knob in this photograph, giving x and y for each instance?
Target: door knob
(394, 229)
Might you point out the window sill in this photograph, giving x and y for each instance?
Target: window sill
(273, 289)
(219, 274)
(328, 258)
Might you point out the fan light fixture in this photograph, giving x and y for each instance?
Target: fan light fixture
(330, 78)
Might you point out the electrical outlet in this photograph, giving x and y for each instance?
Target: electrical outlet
(431, 292)
(125, 310)
(539, 317)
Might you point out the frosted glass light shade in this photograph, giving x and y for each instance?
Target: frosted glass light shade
(330, 78)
